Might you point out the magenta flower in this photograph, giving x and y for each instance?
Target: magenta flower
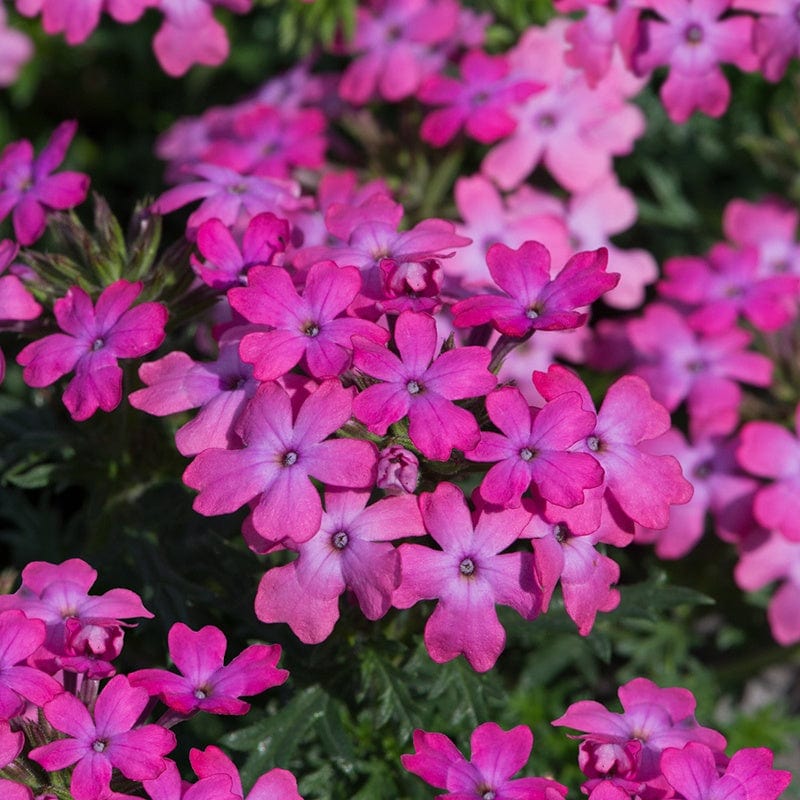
(533, 300)
(99, 743)
(169, 786)
(279, 457)
(311, 327)
(205, 683)
(777, 34)
(628, 746)
(28, 188)
(468, 576)
(478, 104)
(693, 39)
(20, 638)
(10, 747)
(227, 264)
(421, 385)
(496, 756)
(84, 631)
(535, 446)
(277, 784)
(95, 337)
(693, 773)
(351, 550)
(770, 451)
(394, 45)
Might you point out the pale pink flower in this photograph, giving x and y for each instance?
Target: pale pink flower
(15, 50)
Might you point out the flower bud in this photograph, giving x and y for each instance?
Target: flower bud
(398, 470)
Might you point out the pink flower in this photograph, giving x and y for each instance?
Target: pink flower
(77, 20)
(496, 756)
(190, 35)
(395, 44)
(422, 386)
(534, 300)
(169, 786)
(99, 743)
(642, 484)
(680, 365)
(227, 265)
(770, 451)
(768, 557)
(277, 784)
(398, 471)
(693, 773)
(205, 683)
(535, 447)
(693, 39)
(84, 632)
(312, 327)
(95, 337)
(351, 551)
(27, 187)
(279, 457)
(467, 576)
(478, 103)
(628, 746)
(728, 284)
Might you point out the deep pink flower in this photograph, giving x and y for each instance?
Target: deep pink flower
(395, 45)
(496, 756)
(352, 551)
(205, 682)
(226, 263)
(312, 327)
(169, 786)
(693, 773)
(535, 447)
(277, 784)
(97, 743)
(770, 451)
(628, 746)
(84, 631)
(693, 39)
(279, 457)
(95, 337)
(777, 34)
(190, 35)
(534, 300)
(478, 103)
(468, 576)
(422, 386)
(28, 188)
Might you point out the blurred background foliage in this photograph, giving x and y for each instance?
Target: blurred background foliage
(109, 489)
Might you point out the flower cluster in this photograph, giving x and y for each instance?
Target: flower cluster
(57, 645)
